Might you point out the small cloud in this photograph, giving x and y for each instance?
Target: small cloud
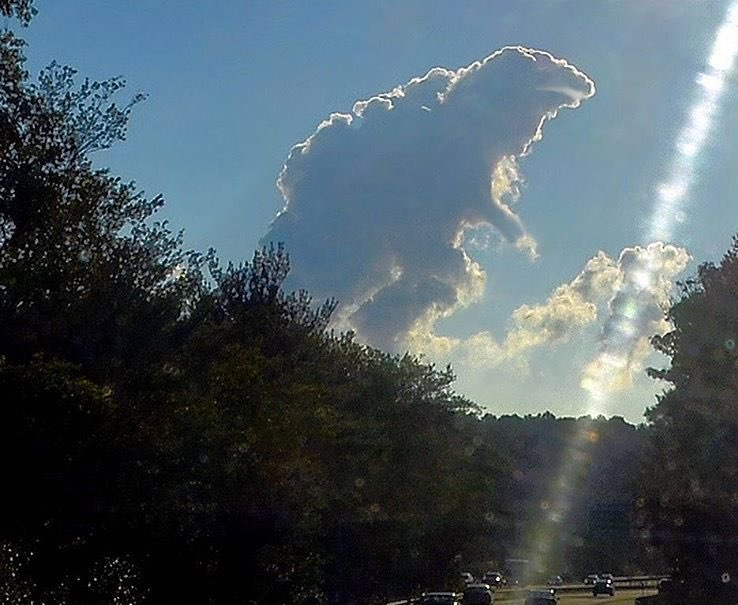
(636, 312)
(570, 307)
(526, 243)
(632, 291)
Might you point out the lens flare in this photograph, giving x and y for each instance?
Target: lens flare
(672, 195)
(620, 337)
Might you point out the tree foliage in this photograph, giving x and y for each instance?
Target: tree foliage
(190, 419)
(693, 493)
(22, 10)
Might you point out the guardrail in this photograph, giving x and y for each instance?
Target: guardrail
(623, 582)
(638, 582)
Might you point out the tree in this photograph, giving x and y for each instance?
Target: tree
(20, 9)
(92, 296)
(210, 431)
(692, 484)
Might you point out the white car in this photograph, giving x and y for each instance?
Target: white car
(439, 598)
(591, 579)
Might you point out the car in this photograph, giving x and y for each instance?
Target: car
(666, 586)
(439, 598)
(541, 597)
(591, 579)
(477, 594)
(493, 578)
(603, 586)
(555, 581)
(466, 577)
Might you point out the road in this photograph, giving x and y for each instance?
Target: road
(622, 597)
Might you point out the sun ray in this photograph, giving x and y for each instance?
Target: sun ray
(671, 198)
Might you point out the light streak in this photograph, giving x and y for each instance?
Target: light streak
(620, 335)
(672, 195)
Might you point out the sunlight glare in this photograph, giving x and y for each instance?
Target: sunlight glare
(671, 197)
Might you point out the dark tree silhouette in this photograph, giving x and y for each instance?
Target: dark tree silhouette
(693, 460)
(22, 10)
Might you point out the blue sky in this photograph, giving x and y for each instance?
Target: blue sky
(234, 85)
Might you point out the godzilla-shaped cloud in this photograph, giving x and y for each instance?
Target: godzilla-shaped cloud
(376, 201)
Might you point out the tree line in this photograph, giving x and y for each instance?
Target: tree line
(176, 429)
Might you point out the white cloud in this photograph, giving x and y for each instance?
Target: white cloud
(570, 307)
(636, 312)
(631, 291)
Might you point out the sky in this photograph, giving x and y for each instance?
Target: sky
(435, 213)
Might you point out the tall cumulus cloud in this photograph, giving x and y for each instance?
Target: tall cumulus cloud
(376, 201)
